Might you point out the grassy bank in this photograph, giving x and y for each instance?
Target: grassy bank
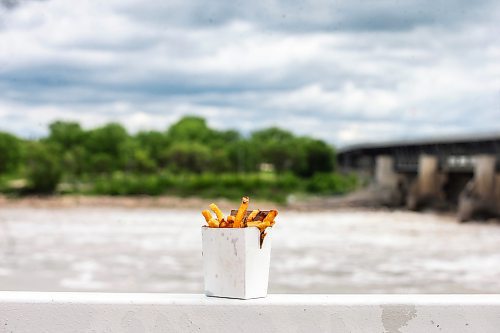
(264, 186)
(228, 185)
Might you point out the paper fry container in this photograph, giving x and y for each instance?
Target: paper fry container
(234, 264)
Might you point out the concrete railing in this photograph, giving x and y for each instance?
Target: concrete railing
(106, 312)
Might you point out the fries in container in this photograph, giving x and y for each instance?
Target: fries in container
(242, 218)
(235, 256)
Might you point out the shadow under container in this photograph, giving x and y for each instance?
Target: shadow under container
(235, 265)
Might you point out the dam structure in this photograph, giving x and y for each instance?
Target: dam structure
(462, 172)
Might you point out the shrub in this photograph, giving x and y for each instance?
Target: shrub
(42, 168)
(10, 155)
(331, 183)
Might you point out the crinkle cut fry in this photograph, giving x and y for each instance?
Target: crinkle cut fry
(241, 212)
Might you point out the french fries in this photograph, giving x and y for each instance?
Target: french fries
(212, 223)
(252, 215)
(241, 218)
(241, 212)
(217, 211)
(269, 219)
(230, 221)
(206, 214)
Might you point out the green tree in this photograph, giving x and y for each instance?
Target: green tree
(278, 147)
(74, 160)
(101, 163)
(138, 157)
(190, 129)
(43, 169)
(10, 152)
(142, 162)
(212, 145)
(243, 156)
(106, 147)
(156, 145)
(66, 134)
(192, 157)
(68, 138)
(222, 139)
(318, 156)
(219, 160)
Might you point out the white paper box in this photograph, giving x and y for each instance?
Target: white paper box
(234, 264)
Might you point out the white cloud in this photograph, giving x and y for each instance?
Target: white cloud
(139, 64)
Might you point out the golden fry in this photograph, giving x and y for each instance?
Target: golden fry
(206, 214)
(230, 221)
(241, 212)
(268, 220)
(253, 224)
(252, 215)
(217, 212)
(223, 224)
(263, 225)
(213, 223)
(271, 216)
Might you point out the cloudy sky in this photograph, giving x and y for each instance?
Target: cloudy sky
(347, 71)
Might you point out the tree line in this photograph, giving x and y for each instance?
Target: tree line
(188, 147)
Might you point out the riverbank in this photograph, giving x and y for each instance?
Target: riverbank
(74, 201)
(359, 200)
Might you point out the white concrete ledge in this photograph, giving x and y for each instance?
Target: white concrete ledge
(22, 312)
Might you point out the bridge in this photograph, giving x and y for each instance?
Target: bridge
(461, 171)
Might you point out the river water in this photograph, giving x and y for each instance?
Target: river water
(159, 250)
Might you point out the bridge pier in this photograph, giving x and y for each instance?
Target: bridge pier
(389, 185)
(482, 194)
(427, 189)
(384, 171)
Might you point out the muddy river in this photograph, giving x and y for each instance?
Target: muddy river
(159, 250)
